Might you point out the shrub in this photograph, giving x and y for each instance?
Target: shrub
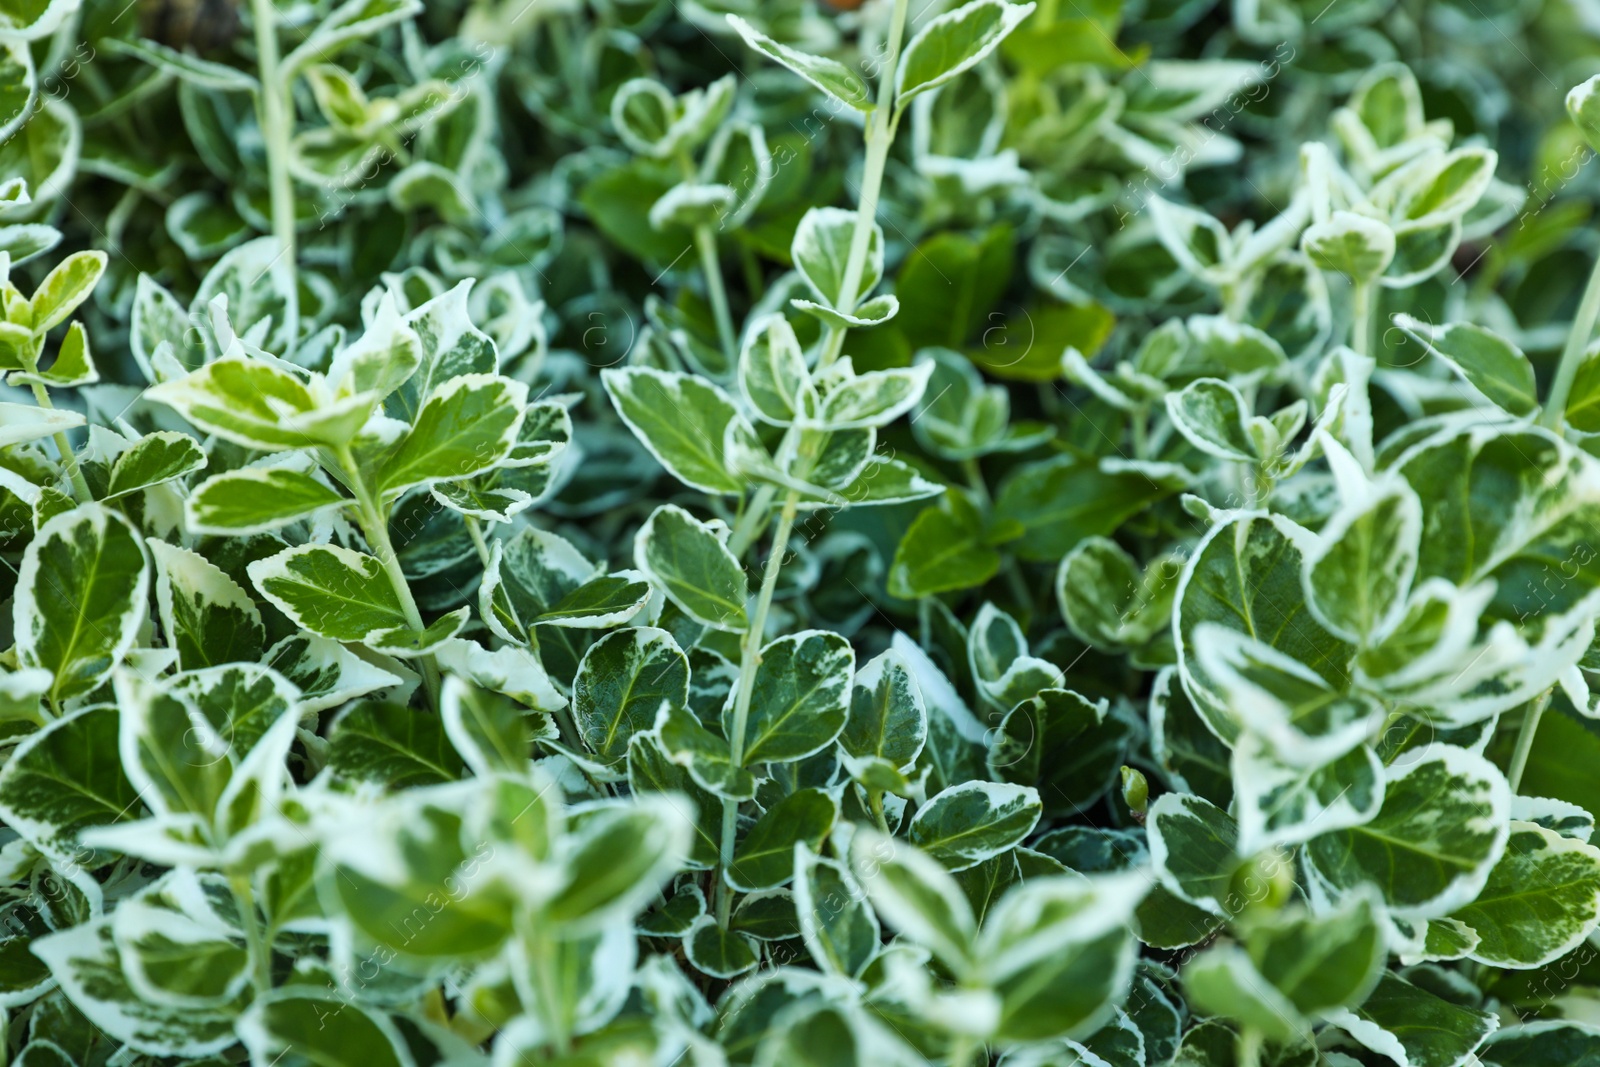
(758, 534)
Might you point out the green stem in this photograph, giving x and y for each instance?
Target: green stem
(974, 475)
(476, 532)
(1555, 407)
(875, 803)
(749, 660)
(538, 944)
(879, 136)
(706, 241)
(80, 487)
(751, 522)
(962, 1048)
(259, 951)
(1525, 734)
(376, 530)
(1249, 1047)
(276, 135)
(1361, 331)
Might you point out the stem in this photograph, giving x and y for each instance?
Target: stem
(275, 136)
(376, 531)
(974, 475)
(879, 136)
(538, 945)
(749, 660)
(1555, 406)
(1525, 734)
(256, 945)
(80, 487)
(478, 542)
(706, 241)
(961, 1049)
(751, 522)
(1249, 1047)
(875, 803)
(1361, 340)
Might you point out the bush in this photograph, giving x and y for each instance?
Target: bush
(711, 533)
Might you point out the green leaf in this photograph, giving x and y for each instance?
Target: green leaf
(618, 860)
(1492, 365)
(350, 21)
(1543, 1043)
(322, 1028)
(943, 550)
(64, 779)
(1061, 742)
(151, 460)
(1223, 982)
(1281, 803)
(331, 591)
(1214, 418)
(1356, 246)
(1306, 721)
(1061, 501)
(688, 561)
(527, 577)
(1107, 602)
(1433, 843)
(839, 927)
(80, 598)
(1402, 1020)
(1246, 575)
(73, 365)
(704, 754)
(257, 405)
(821, 251)
(25, 422)
(684, 421)
(621, 684)
(1059, 952)
(719, 953)
(391, 745)
(887, 717)
(490, 731)
(256, 500)
(240, 701)
(968, 823)
(765, 857)
(1319, 962)
(169, 752)
(852, 401)
(202, 73)
(1443, 187)
(800, 697)
(1583, 402)
(1194, 847)
(1583, 104)
(954, 42)
(916, 896)
(651, 771)
(64, 288)
(88, 966)
(467, 425)
(773, 376)
(1359, 573)
(409, 642)
(1542, 900)
(829, 75)
(949, 289)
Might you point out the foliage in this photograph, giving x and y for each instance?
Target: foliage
(723, 533)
